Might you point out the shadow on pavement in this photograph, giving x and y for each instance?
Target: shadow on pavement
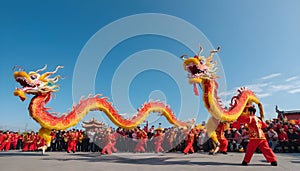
(7, 154)
(145, 161)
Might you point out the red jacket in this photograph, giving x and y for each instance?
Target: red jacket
(255, 126)
(282, 136)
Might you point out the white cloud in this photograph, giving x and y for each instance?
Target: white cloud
(282, 87)
(294, 91)
(271, 76)
(257, 87)
(291, 79)
(291, 87)
(266, 105)
(228, 93)
(263, 95)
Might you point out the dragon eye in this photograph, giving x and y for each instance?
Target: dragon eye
(202, 62)
(33, 77)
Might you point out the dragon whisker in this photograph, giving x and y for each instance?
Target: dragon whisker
(42, 69)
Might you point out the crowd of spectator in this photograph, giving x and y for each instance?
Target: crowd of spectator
(282, 136)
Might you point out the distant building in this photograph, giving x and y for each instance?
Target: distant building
(288, 114)
(92, 125)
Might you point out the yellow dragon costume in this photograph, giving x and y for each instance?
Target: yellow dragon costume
(202, 72)
(43, 87)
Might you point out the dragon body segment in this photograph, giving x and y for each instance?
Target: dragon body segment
(202, 72)
(42, 87)
(237, 105)
(39, 113)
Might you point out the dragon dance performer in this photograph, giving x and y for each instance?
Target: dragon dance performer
(15, 137)
(6, 141)
(142, 140)
(170, 139)
(28, 142)
(113, 138)
(256, 136)
(34, 142)
(158, 140)
(40, 142)
(189, 142)
(72, 140)
(109, 140)
(220, 131)
(1, 137)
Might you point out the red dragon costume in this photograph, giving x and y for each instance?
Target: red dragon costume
(43, 87)
(202, 71)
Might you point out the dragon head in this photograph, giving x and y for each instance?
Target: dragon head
(35, 83)
(200, 68)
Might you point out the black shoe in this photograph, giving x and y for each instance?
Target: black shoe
(244, 163)
(274, 163)
(223, 152)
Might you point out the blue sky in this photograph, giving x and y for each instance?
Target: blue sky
(259, 40)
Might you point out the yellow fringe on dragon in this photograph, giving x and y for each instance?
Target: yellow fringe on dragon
(202, 72)
(42, 87)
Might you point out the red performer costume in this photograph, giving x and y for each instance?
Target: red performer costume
(107, 144)
(257, 138)
(158, 140)
(15, 139)
(189, 142)
(142, 139)
(1, 137)
(72, 142)
(113, 139)
(33, 146)
(109, 140)
(171, 138)
(40, 142)
(6, 142)
(220, 131)
(28, 144)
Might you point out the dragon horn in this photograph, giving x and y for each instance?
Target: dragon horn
(47, 74)
(215, 51)
(200, 51)
(182, 56)
(40, 70)
(209, 58)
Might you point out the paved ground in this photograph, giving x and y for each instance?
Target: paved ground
(59, 161)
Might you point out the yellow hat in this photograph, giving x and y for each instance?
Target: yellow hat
(159, 129)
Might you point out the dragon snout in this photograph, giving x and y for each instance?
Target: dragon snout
(21, 94)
